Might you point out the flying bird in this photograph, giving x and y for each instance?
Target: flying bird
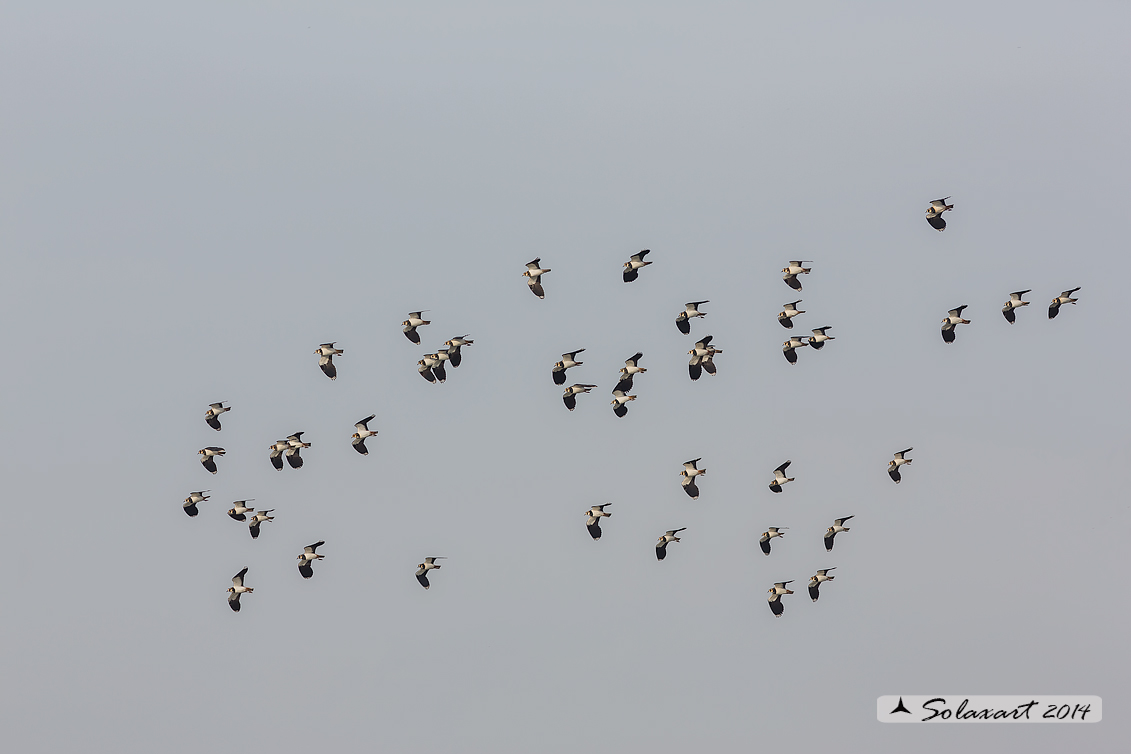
(789, 348)
(1014, 302)
(277, 450)
(239, 510)
(435, 363)
(208, 457)
(815, 582)
(634, 264)
(424, 366)
(690, 311)
(212, 415)
(296, 445)
(789, 311)
(255, 521)
(569, 360)
(665, 539)
(326, 353)
(935, 211)
(690, 471)
(792, 271)
(236, 589)
(899, 460)
(362, 433)
(533, 275)
(780, 478)
(453, 349)
(1064, 298)
(569, 398)
(308, 557)
(701, 355)
(776, 591)
(620, 402)
(425, 567)
(770, 533)
(837, 527)
(192, 500)
(953, 318)
(414, 321)
(818, 338)
(630, 369)
(593, 519)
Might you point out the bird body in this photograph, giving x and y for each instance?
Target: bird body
(192, 500)
(569, 360)
(239, 510)
(326, 353)
(818, 338)
(620, 402)
(454, 345)
(425, 567)
(665, 539)
(258, 519)
(212, 415)
(952, 319)
(1064, 298)
(571, 393)
(895, 463)
(1014, 302)
(634, 264)
(690, 311)
(533, 275)
(792, 271)
(208, 457)
(816, 581)
(788, 312)
(935, 211)
(780, 478)
(778, 590)
(769, 534)
(308, 557)
(593, 519)
(789, 348)
(414, 321)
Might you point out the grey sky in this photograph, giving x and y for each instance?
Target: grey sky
(193, 198)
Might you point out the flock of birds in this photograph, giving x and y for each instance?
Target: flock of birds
(433, 369)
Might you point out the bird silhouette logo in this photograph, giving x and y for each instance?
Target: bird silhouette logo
(900, 708)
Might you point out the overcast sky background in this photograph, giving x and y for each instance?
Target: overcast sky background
(195, 197)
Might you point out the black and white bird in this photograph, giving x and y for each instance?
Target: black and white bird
(236, 589)
(815, 582)
(634, 264)
(789, 348)
(620, 402)
(277, 450)
(818, 338)
(533, 275)
(363, 432)
(690, 311)
(665, 539)
(208, 457)
(953, 318)
(935, 211)
(702, 354)
(569, 398)
(296, 445)
(776, 592)
(630, 369)
(454, 345)
(192, 500)
(435, 363)
(894, 464)
(308, 557)
(414, 321)
(212, 415)
(780, 478)
(326, 353)
(239, 510)
(257, 520)
(569, 360)
(593, 519)
(425, 567)
(788, 312)
(1064, 298)
(424, 366)
(1014, 302)
(792, 271)
(837, 527)
(770, 533)
(690, 471)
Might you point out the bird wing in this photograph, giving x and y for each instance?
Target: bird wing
(683, 324)
(948, 334)
(328, 368)
(894, 474)
(537, 289)
(594, 530)
(765, 543)
(815, 591)
(237, 580)
(208, 463)
(234, 601)
(535, 264)
(213, 422)
(936, 221)
(781, 469)
(957, 312)
(306, 570)
(840, 521)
